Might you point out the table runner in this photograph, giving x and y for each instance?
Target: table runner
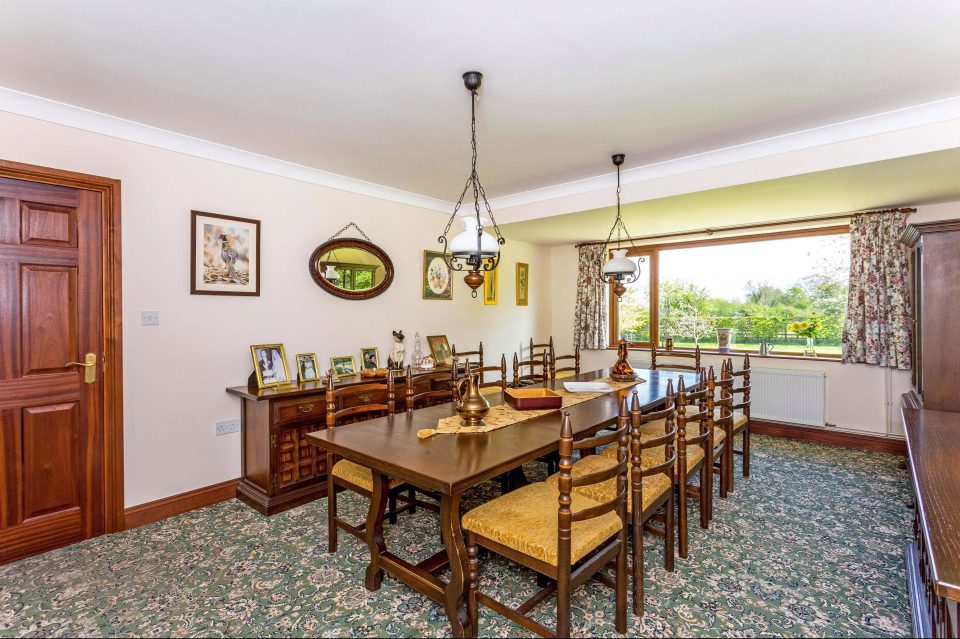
(506, 415)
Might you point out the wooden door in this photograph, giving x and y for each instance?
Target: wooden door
(51, 413)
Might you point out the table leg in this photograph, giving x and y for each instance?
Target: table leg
(374, 530)
(456, 593)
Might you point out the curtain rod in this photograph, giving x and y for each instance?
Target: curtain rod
(760, 225)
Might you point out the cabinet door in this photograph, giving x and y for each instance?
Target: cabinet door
(297, 459)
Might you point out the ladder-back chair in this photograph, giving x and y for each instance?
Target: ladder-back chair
(539, 370)
(684, 356)
(566, 370)
(695, 442)
(741, 416)
(466, 355)
(720, 417)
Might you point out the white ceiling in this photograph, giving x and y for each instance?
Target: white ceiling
(372, 90)
(914, 180)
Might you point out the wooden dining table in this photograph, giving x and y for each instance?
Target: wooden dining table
(450, 464)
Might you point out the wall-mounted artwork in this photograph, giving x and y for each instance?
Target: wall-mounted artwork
(225, 255)
(523, 284)
(491, 282)
(436, 277)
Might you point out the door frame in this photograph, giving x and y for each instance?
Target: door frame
(112, 317)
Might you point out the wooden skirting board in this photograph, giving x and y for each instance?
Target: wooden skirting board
(831, 437)
(179, 504)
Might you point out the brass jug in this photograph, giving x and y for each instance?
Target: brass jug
(471, 405)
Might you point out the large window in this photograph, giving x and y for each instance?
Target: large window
(776, 288)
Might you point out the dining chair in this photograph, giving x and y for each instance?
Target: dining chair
(652, 468)
(558, 532)
(494, 385)
(535, 350)
(741, 417)
(542, 362)
(438, 388)
(347, 405)
(566, 371)
(683, 356)
(466, 355)
(720, 417)
(695, 444)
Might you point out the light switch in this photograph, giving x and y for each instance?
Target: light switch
(149, 318)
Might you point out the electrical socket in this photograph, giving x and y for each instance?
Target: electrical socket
(149, 318)
(228, 426)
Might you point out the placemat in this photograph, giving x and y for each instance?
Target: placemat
(505, 414)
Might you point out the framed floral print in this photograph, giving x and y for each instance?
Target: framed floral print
(523, 284)
(490, 285)
(436, 277)
(224, 254)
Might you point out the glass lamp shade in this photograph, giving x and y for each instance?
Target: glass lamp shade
(331, 273)
(464, 244)
(620, 265)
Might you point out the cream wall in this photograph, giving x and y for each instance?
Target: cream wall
(175, 373)
(859, 397)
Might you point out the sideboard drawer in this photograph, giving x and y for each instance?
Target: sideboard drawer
(294, 410)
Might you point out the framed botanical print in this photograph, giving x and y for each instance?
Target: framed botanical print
(491, 281)
(224, 254)
(270, 364)
(344, 365)
(440, 349)
(369, 358)
(307, 368)
(523, 284)
(436, 277)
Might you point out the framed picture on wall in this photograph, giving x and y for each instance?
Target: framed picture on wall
(436, 277)
(491, 282)
(523, 284)
(270, 364)
(224, 254)
(307, 368)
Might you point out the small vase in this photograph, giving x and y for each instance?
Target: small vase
(809, 350)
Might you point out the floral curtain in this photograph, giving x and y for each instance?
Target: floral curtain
(590, 320)
(878, 328)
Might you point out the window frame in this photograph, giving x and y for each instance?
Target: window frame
(652, 254)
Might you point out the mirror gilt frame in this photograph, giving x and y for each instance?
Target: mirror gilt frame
(344, 243)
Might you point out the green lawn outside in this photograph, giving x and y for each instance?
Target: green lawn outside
(791, 349)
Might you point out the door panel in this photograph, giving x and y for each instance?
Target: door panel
(51, 427)
(50, 459)
(48, 225)
(48, 296)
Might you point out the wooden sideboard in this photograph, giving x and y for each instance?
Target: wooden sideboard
(931, 421)
(280, 469)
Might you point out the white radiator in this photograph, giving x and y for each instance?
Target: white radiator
(794, 397)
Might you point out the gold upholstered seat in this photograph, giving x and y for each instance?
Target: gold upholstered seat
(654, 486)
(526, 521)
(358, 475)
(739, 419)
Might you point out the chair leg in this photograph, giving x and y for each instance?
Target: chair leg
(682, 517)
(563, 605)
(730, 466)
(746, 449)
(621, 583)
(331, 507)
(637, 540)
(473, 568)
(669, 525)
(706, 480)
(392, 508)
(412, 494)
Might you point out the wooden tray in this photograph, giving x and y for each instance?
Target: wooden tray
(532, 398)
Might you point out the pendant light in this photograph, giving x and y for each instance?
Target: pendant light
(619, 270)
(473, 250)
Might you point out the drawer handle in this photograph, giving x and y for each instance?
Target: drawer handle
(305, 408)
(365, 397)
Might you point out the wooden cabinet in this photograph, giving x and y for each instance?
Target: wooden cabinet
(931, 421)
(935, 279)
(279, 468)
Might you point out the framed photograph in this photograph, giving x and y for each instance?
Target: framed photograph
(369, 358)
(440, 349)
(436, 277)
(270, 364)
(344, 365)
(224, 254)
(307, 367)
(523, 284)
(491, 282)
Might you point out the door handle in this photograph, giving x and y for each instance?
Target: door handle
(90, 368)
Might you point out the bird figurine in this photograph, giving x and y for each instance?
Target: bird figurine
(228, 255)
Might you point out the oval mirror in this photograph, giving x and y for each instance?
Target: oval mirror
(351, 268)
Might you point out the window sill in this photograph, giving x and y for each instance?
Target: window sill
(753, 354)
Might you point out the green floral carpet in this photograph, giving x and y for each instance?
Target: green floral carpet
(809, 545)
